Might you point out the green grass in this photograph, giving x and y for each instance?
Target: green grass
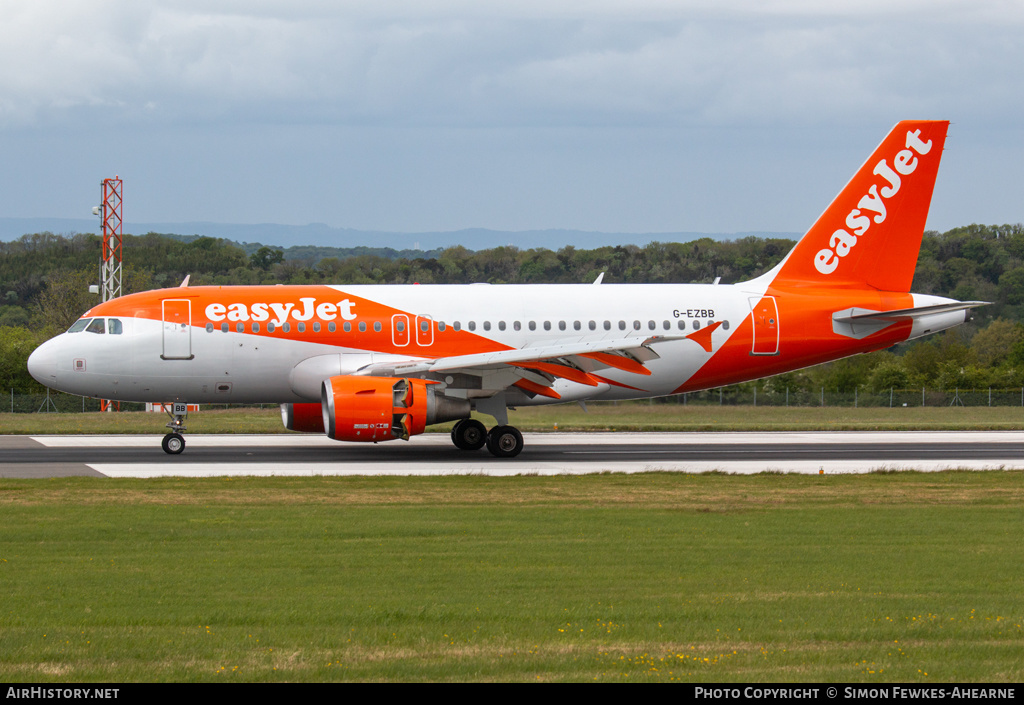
(570, 417)
(869, 578)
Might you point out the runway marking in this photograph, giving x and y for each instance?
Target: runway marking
(508, 469)
(580, 453)
(581, 438)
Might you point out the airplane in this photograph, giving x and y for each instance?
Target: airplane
(379, 363)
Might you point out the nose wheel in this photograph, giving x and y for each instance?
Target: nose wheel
(173, 443)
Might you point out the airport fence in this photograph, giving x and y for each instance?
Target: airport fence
(741, 395)
(59, 402)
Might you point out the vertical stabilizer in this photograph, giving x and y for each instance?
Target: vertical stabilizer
(871, 233)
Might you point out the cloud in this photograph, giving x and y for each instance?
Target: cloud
(529, 63)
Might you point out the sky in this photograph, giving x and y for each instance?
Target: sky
(631, 116)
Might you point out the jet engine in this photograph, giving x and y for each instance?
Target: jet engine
(384, 408)
(307, 418)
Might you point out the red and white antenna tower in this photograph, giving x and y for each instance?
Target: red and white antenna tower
(110, 215)
(109, 212)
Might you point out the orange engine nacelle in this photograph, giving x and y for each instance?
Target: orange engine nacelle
(384, 408)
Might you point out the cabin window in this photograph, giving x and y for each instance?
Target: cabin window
(622, 325)
(725, 325)
(376, 326)
(576, 325)
(457, 325)
(682, 324)
(652, 325)
(607, 325)
(425, 326)
(636, 325)
(592, 325)
(96, 326)
(346, 326)
(255, 327)
(316, 327)
(547, 325)
(79, 325)
(302, 327)
(240, 327)
(472, 325)
(501, 325)
(400, 326)
(287, 328)
(487, 325)
(270, 327)
(516, 325)
(209, 327)
(440, 327)
(666, 325)
(533, 325)
(332, 326)
(696, 325)
(362, 326)
(561, 325)
(224, 327)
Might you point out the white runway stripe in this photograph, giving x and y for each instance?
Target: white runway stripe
(512, 468)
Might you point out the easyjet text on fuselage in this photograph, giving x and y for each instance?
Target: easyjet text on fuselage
(279, 312)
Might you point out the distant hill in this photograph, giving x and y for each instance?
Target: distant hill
(321, 235)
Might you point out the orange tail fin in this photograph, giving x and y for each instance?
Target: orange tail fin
(871, 233)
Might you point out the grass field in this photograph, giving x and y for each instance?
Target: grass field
(657, 577)
(570, 417)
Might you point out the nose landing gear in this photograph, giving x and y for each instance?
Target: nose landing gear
(174, 442)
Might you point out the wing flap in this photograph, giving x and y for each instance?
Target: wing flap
(626, 354)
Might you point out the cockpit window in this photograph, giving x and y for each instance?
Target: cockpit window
(79, 325)
(96, 326)
(114, 326)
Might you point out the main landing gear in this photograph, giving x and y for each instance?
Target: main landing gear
(502, 441)
(174, 442)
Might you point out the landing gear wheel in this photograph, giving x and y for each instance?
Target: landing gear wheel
(504, 442)
(173, 443)
(469, 434)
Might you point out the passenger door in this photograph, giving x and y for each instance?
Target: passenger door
(177, 329)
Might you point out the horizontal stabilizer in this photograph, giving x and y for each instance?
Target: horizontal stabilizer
(859, 323)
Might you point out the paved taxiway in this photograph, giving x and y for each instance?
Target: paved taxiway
(545, 453)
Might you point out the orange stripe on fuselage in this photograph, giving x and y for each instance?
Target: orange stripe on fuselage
(805, 320)
(307, 305)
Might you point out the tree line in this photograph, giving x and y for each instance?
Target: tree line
(44, 281)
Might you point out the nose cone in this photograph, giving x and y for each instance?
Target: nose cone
(42, 363)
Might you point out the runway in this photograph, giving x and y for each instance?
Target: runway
(544, 454)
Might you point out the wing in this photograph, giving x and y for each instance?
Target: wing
(534, 368)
